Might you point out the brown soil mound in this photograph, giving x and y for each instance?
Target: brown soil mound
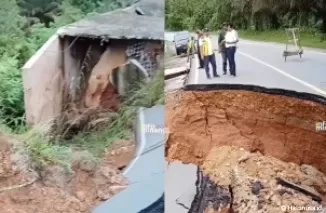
(53, 190)
(119, 154)
(251, 180)
(275, 125)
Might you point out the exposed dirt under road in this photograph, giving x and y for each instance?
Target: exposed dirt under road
(243, 139)
(279, 126)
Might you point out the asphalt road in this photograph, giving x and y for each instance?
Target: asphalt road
(262, 63)
(146, 171)
(179, 192)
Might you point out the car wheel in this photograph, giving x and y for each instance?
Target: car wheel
(178, 53)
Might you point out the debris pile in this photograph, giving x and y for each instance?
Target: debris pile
(258, 183)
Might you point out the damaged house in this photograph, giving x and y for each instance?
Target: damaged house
(94, 62)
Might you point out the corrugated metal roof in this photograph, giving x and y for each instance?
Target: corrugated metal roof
(151, 7)
(122, 23)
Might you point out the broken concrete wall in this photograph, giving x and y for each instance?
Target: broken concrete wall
(42, 79)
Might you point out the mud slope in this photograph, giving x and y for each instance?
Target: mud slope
(54, 189)
(275, 125)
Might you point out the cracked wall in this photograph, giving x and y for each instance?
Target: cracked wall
(275, 125)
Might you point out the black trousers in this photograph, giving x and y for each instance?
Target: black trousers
(224, 60)
(210, 59)
(230, 52)
(200, 58)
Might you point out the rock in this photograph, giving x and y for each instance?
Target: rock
(308, 182)
(87, 165)
(309, 170)
(103, 196)
(244, 158)
(80, 195)
(256, 187)
(116, 189)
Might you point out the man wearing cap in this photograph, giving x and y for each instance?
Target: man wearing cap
(208, 54)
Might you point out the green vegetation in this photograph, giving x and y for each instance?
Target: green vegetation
(309, 38)
(256, 19)
(18, 42)
(25, 25)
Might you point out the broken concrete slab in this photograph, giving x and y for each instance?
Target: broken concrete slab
(180, 186)
(175, 72)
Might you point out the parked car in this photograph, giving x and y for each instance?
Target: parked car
(181, 41)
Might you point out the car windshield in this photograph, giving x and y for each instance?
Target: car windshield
(181, 36)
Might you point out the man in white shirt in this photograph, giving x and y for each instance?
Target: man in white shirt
(206, 48)
(231, 39)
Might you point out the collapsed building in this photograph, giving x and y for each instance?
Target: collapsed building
(95, 61)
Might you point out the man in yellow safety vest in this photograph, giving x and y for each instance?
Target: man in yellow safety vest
(207, 52)
(191, 48)
(191, 45)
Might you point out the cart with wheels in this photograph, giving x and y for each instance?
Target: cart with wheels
(293, 38)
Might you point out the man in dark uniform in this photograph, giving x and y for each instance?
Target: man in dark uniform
(221, 45)
(200, 58)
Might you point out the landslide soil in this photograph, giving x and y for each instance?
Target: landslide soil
(251, 180)
(275, 125)
(54, 189)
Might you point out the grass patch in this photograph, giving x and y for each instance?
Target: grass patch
(309, 38)
(147, 95)
(43, 152)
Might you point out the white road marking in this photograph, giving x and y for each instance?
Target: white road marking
(285, 74)
(277, 45)
(142, 143)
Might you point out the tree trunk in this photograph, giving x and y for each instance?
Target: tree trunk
(274, 22)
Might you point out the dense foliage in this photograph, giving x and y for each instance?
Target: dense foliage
(246, 14)
(24, 26)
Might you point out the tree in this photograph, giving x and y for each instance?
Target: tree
(43, 10)
(257, 14)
